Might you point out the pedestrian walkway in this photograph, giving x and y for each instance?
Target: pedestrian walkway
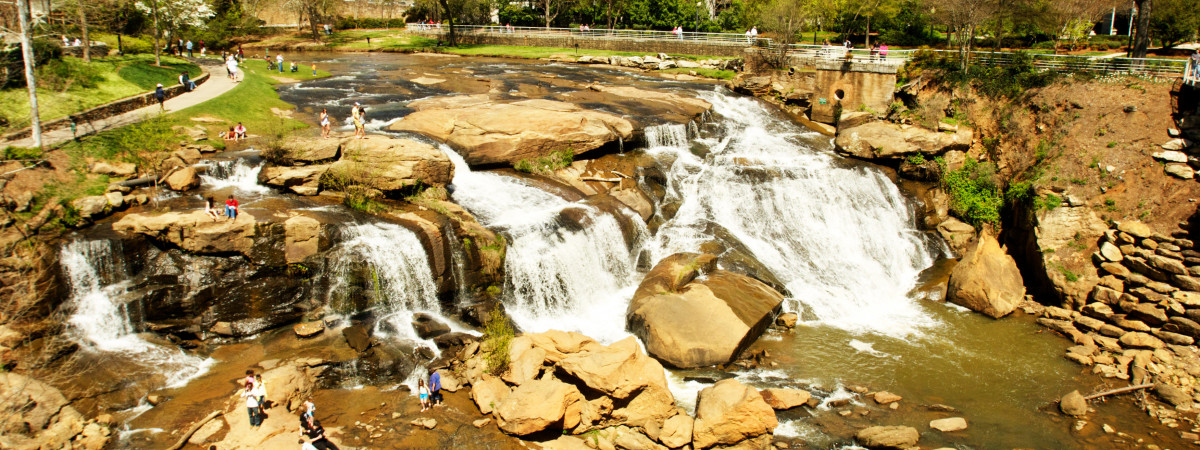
(218, 83)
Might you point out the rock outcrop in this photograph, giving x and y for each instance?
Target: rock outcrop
(986, 279)
(303, 180)
(194, 231)
(687, 322)
(729, 412)
(885, 140)
(487, 131)
(36, 415)
(383, 163)
(564, 382)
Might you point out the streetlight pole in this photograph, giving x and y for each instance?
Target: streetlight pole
(697, 16)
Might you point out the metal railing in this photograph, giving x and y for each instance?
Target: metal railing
(629, 35)
(818, 53)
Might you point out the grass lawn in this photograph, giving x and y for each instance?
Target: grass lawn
(711, 73)
(115, 77)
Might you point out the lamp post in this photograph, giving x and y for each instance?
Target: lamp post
(697, 16)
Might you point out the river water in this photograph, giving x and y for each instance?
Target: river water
(839, 235)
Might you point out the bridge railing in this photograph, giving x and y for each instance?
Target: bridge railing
(816, 53)
(598, 34)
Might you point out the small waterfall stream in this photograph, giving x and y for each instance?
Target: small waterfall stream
(556, 276)
(100, 321)
(240, 174)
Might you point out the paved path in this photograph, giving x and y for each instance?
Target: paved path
(218, 83)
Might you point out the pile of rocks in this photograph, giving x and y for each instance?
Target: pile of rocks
(567, 383)
(1142, 319)
(660, 61)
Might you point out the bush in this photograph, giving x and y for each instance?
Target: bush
(345, 23)
(974, 197)
(22, 153)
(497, 335)
(12, 63)
(557, 159)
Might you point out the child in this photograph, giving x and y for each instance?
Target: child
(423, 392)
(208, 208)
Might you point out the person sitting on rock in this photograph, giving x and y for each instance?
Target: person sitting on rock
(239, 131)
(208, 208)
(231, 211)
(312, 433)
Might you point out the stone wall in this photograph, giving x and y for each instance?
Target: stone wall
(106, 110)
(648, 46)
(1142, 319)
(853, 84)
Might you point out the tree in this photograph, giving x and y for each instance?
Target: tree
(551, 9)
(1175, 21)
(1141, 39)
(965, 16)
(868, 9)
(174, 15)
(30, 81)
(784, 18)
(1073, 19)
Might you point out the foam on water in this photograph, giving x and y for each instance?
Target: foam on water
(239, 174)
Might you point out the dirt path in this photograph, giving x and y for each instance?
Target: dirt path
(218, 83)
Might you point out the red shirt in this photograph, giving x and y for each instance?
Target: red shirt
(231, 202)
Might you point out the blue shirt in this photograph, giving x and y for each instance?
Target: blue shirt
(435, 382)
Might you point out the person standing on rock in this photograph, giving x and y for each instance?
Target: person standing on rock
(423, 393)
(252, 405)
(231, 211)
(260, 389)
(435, 387)
(161, 96)
(324, 123)
(311, 431)
(357, 114)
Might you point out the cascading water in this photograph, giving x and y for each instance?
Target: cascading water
(241, 174)
(100, 321)
(557, 276)
(398, 272)
(842, 239)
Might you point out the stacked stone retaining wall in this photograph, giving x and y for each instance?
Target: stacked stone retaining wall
(106, 110)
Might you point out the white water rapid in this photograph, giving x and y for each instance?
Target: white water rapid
(398, 271)
(239, 174)
(100, 321)
(843, 239)
(556, 276)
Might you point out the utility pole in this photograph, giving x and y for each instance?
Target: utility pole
(30, 82)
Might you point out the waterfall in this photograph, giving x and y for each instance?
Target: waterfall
(241, 174)
(100, 322)
(558, 275)
(841, 237)
(398, 274)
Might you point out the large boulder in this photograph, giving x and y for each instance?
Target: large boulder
(182, 179)
(729, 412)
(986, 279)
(619, 370)
(195, 231)
(302, 238)
(786, 398)
(36, 414)
(391, 164)
(662, 102)
(487, 132)
(303, 180)
(539, 404)
(310, 150)
(687, 322)
(488, 392)
(114, 169)
(885, 140)
(888, 437)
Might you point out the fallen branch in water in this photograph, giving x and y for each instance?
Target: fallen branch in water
(606, 180)
(195, 427)
(1119, 391)
(619, 174)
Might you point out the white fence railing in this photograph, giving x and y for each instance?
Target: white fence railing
(630, 35)
(1142, 66)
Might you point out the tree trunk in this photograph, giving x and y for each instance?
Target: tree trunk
(83, 25)
(35, 122)
(547, 3)
(157, 34)
(1141, 42)
(868, 32)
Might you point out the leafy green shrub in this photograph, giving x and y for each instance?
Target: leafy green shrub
(557, 159)
(916, 159)
(974, 196)
(497, 335)
(1051, 201)
(22, 153)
